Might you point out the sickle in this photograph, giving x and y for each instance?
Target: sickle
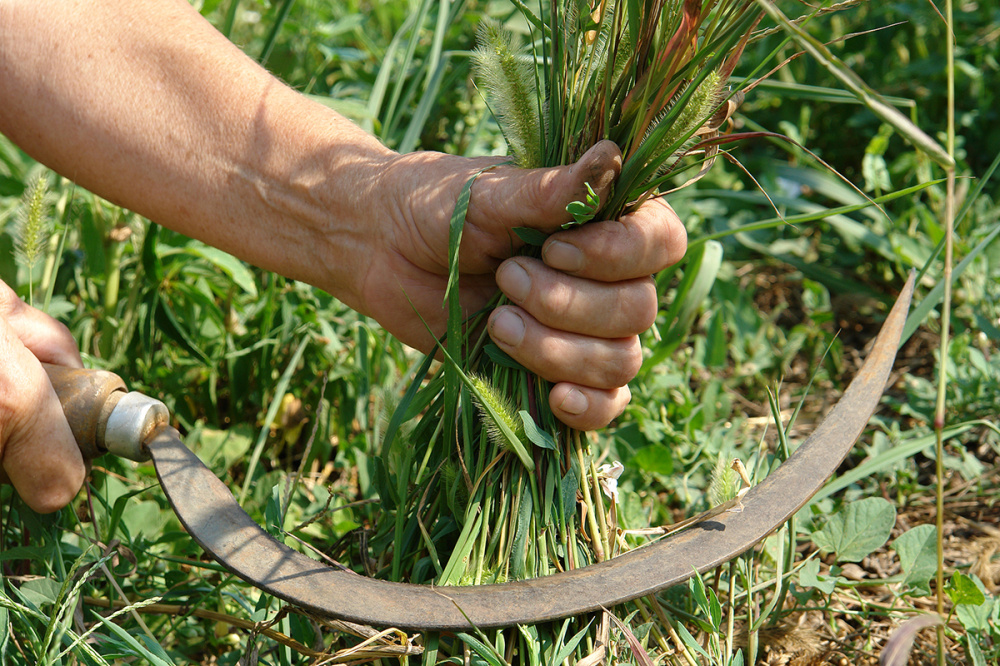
(215, 520)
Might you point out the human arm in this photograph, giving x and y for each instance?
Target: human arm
(144, 103)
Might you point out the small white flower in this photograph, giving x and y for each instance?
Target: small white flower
(608, 475)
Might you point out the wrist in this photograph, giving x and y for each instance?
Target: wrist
(341, 200)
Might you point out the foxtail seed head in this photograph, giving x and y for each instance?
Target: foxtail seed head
(32, 223)
(502, 407)
(725, 483)
(508, 73)
(698, 110)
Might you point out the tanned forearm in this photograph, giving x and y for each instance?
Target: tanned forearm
(145, 104)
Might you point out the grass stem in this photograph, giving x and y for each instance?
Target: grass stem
(939, 412)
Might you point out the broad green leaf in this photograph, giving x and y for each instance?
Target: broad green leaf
(977, 617)
(146, 518)
(697, 587)
(531, 236)
(583, 211)
(40, 591)
(962, 589)
(228, 264)
(537, 436)
(23, 553)
(655, 459)
(917, 550)
(857, 529)
(973, 651)
(809, 576)
(568, 487)
(221, 449)
(706, 599)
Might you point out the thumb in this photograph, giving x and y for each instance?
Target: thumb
(537, 198)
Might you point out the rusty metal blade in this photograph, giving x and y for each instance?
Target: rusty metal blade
(215, 520)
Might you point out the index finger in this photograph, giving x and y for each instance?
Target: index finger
(49, 340)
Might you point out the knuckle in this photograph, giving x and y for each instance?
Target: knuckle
(638, 306)
(627, 365)
(676, 241)
(555, 301)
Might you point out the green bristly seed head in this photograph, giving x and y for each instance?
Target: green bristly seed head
(725, 481)
(508, 72)
(32, 223)
(696, 112)
(501, 406)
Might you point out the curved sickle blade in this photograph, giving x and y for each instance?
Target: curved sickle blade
(215, 520)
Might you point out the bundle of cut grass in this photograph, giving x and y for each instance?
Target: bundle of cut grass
(482, 483)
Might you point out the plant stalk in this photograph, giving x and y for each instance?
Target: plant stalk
(939, 412)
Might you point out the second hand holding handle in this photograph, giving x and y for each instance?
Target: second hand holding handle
(103, 415)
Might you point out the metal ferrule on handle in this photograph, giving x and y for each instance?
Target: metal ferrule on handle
(103, 415)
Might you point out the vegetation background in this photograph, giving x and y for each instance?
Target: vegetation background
(272, 380)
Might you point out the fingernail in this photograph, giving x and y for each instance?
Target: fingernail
(507, 327)
(562, 256)
(514, 281)
(574, 403)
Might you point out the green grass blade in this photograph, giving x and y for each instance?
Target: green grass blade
(392, 118)
(699, 276)
(892, 456)
(931, 300)
(802, 91)
(456, 565)
(272, 36)
(773, 222)
(272, 410)
(227, 24)
(416, 127)
(960, 217)
(385, 74)
(141, 650)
